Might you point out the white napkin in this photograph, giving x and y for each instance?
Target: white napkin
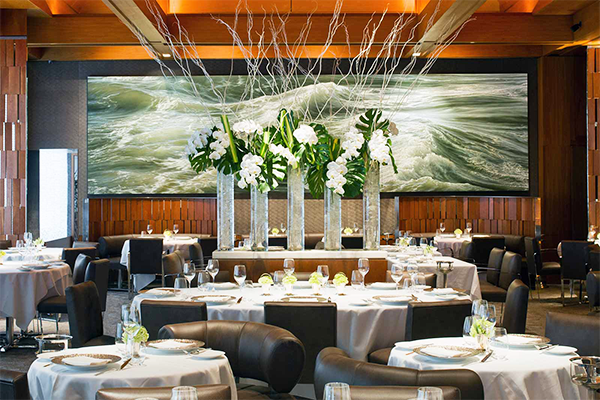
(441, 352)
(171, 344)
(516, 340)
(302, 284)
(383, 285)
(444, 291)
(225, 286)
(309, 300)
(84, 361)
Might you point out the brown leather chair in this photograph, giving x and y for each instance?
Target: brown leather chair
(580, 331)
(157, 313)
(5, 244)
(593, 288)
(172, 265)
(85, 316)
(145, 257)
(314, 324)
(13, 385)
(492, 274)
(430, 279)
(397, 392)
(430, 320)
(71, 254)
(205, 392)
(510, 270)
(334, 365)
(514, 317)
(256, 351)
(196, 255)
(97, 272)
(574, 264)
(482, 247)
(535, 265)
(466, 252)
(60, 243)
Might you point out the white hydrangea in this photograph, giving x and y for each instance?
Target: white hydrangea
(245, 128)
(305, 134)
(250, 170)
(351, 143)
(284, 152)
(378, 149)
(335, 176)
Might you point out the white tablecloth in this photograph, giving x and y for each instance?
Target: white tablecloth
(22, 291)
(182, 244)
(525, 374)
(360, 329)
(447, 242)
(463, 276)
(59, 382)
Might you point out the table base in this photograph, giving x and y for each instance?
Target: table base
(11, 341)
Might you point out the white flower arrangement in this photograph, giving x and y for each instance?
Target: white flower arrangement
(305, 134)
(335, 175)
(352, 142)
(284, 152)
(379, 150)
(246, 128)
(250, 171)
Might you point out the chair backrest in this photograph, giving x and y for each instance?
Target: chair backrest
(196, 255)
(145, 256)
(156, 314)
(482, 246)
(61, 243)
(314, 324)
(256, 351)
(436, 319)
(208, 246)
(278, 241)
(397, 392)
(172, 265)
(515, 243)
(111, 246)
(494, 265)
(532, 251)
(85, 314)
(353, 242)
(5, 244)
(514, 317)
(334, 365)
(13, 385)
(97, 272)
(71, 254)
(574, 263)
(223, 276)
(466, 251)
(204, 392)
(580, 331)
(510, 270)
(594, 263)
(81, 263)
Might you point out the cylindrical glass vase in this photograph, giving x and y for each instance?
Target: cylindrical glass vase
(225, 220)
(295, 212)
(333, 220)
(259, 219)
(371, 215)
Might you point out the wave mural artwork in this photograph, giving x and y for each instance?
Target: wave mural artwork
(457, 132)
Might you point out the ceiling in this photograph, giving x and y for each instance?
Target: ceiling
(102, 29)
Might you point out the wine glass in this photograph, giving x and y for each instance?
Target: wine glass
(467, 330)
(278, 278)
(184, 393)
(500, 341)
(180, 283)
(479, 307)
(203, 280)
(288, 266)
(149, 229)
(412, 267)
(189, 271)
(363, 267)
(175, 229)
(396, 273)
(323, 270)
(355, 227)
(282, 228)
(469, 227)
(239, 274)
(407, 283)
(418, 281)
(442, 227)
(20, 247)
(213, 269)
(430, 393)
(490, 314)
(337, 391)
(423, 242)
(28, 236)
(358, 279)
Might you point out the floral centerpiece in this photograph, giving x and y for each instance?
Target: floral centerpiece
(133, 336)
(481, 330)
(265, 281)
(39, 242)
(404, 242)
(275, 231)
(458, 233)
(168, 234)
(348, 231)
(316, 279)
(2, 253)
(288, 282)
(428, 250)
(340, 280)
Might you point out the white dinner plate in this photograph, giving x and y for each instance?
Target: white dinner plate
(173, 345)
(209, 354)
(37, 266)
(410, 345)
(383, 286)
(518, 340)
(85, 361)
(225, 286)
(561, 350)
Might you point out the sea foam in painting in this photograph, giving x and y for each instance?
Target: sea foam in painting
(457, 132)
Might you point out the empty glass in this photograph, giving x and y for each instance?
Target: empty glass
(28, 236)
(239, 274)
(288, 266)
(396, 273)
(499, 340)
(469, 340)
(278, 278)
(180, 283)
(479, 307)
(469, 228)
(430, 393)
(407, 283)
(175, 229)
(337, 391)
(119, 342)
(442, 227)
(203, 280)
(213, 269)
(423, 242)
(418, 281)
(149, 229)
(189, 272)
(282, 227)
(357, 280)
(412, 267)
(355, 227)
(323, 270)
(184, 393)
(363, 267)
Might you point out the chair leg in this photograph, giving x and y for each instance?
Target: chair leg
(538, 285)
(56, 316)
(562, 291)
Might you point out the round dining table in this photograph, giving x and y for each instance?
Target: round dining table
(525, 373)
(51, 381)
(21, 290)
(362, 326)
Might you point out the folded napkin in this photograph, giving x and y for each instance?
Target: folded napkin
(444, 291)
(84, 361)
(171, 344)
(302, 284)
(383, 285)
(516, 340)
(310, 300)
(225, 286)
(442, 352)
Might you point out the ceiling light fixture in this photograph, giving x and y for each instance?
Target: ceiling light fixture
(416, 54)
(166, 55)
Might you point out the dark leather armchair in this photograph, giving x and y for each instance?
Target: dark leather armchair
(593, 288)
(314, 324)
(110, 247)
(511, 267)
(97, 272)
(13, 385)
(145, 257)
(256, 351)
(60, 243)
(430, 320)
(535, 266)
(580, 331)
(482, 247)
(156, 314)
(85, 316)
(196, 255)
(208, 246)
(172, 267)
(5, 244)
(70, 255)
(492, 274)
(514, 318)
(205, 392)
(396, 392)
(466, 252)
(574, 264)
(334, 365)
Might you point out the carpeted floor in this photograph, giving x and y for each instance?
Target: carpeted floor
(20, 359)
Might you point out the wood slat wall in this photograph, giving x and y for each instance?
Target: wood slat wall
(517, 216)
(123, 216)
(593, 101)
(13, 149)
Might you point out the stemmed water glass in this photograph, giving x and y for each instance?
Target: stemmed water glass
(423, 242)
(358, 280)
(175, 229)
(149, 229)
(396, 272)
(469, 228)
(355, 227)
(239, 274)
(189, 272)
(500, 340)
(442, 227)
(282, 228)
(323, 270)
(213, 269)
(288, 266)
(28, 236)
(363, 268)
(467, 329)
(479, 308)
(490, 314)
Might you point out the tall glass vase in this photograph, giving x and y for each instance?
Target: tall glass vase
(225, 220)
(333, 220)
(295, 212)
(259, 219)
(371, 216)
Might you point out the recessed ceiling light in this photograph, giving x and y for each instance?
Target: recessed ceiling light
(416, 54)
(166, 55)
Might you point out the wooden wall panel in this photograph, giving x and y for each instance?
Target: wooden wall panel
(112, 216)
(593, 107)
(13, 146)
(516, 216)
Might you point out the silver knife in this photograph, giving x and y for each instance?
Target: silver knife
(488, 355)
